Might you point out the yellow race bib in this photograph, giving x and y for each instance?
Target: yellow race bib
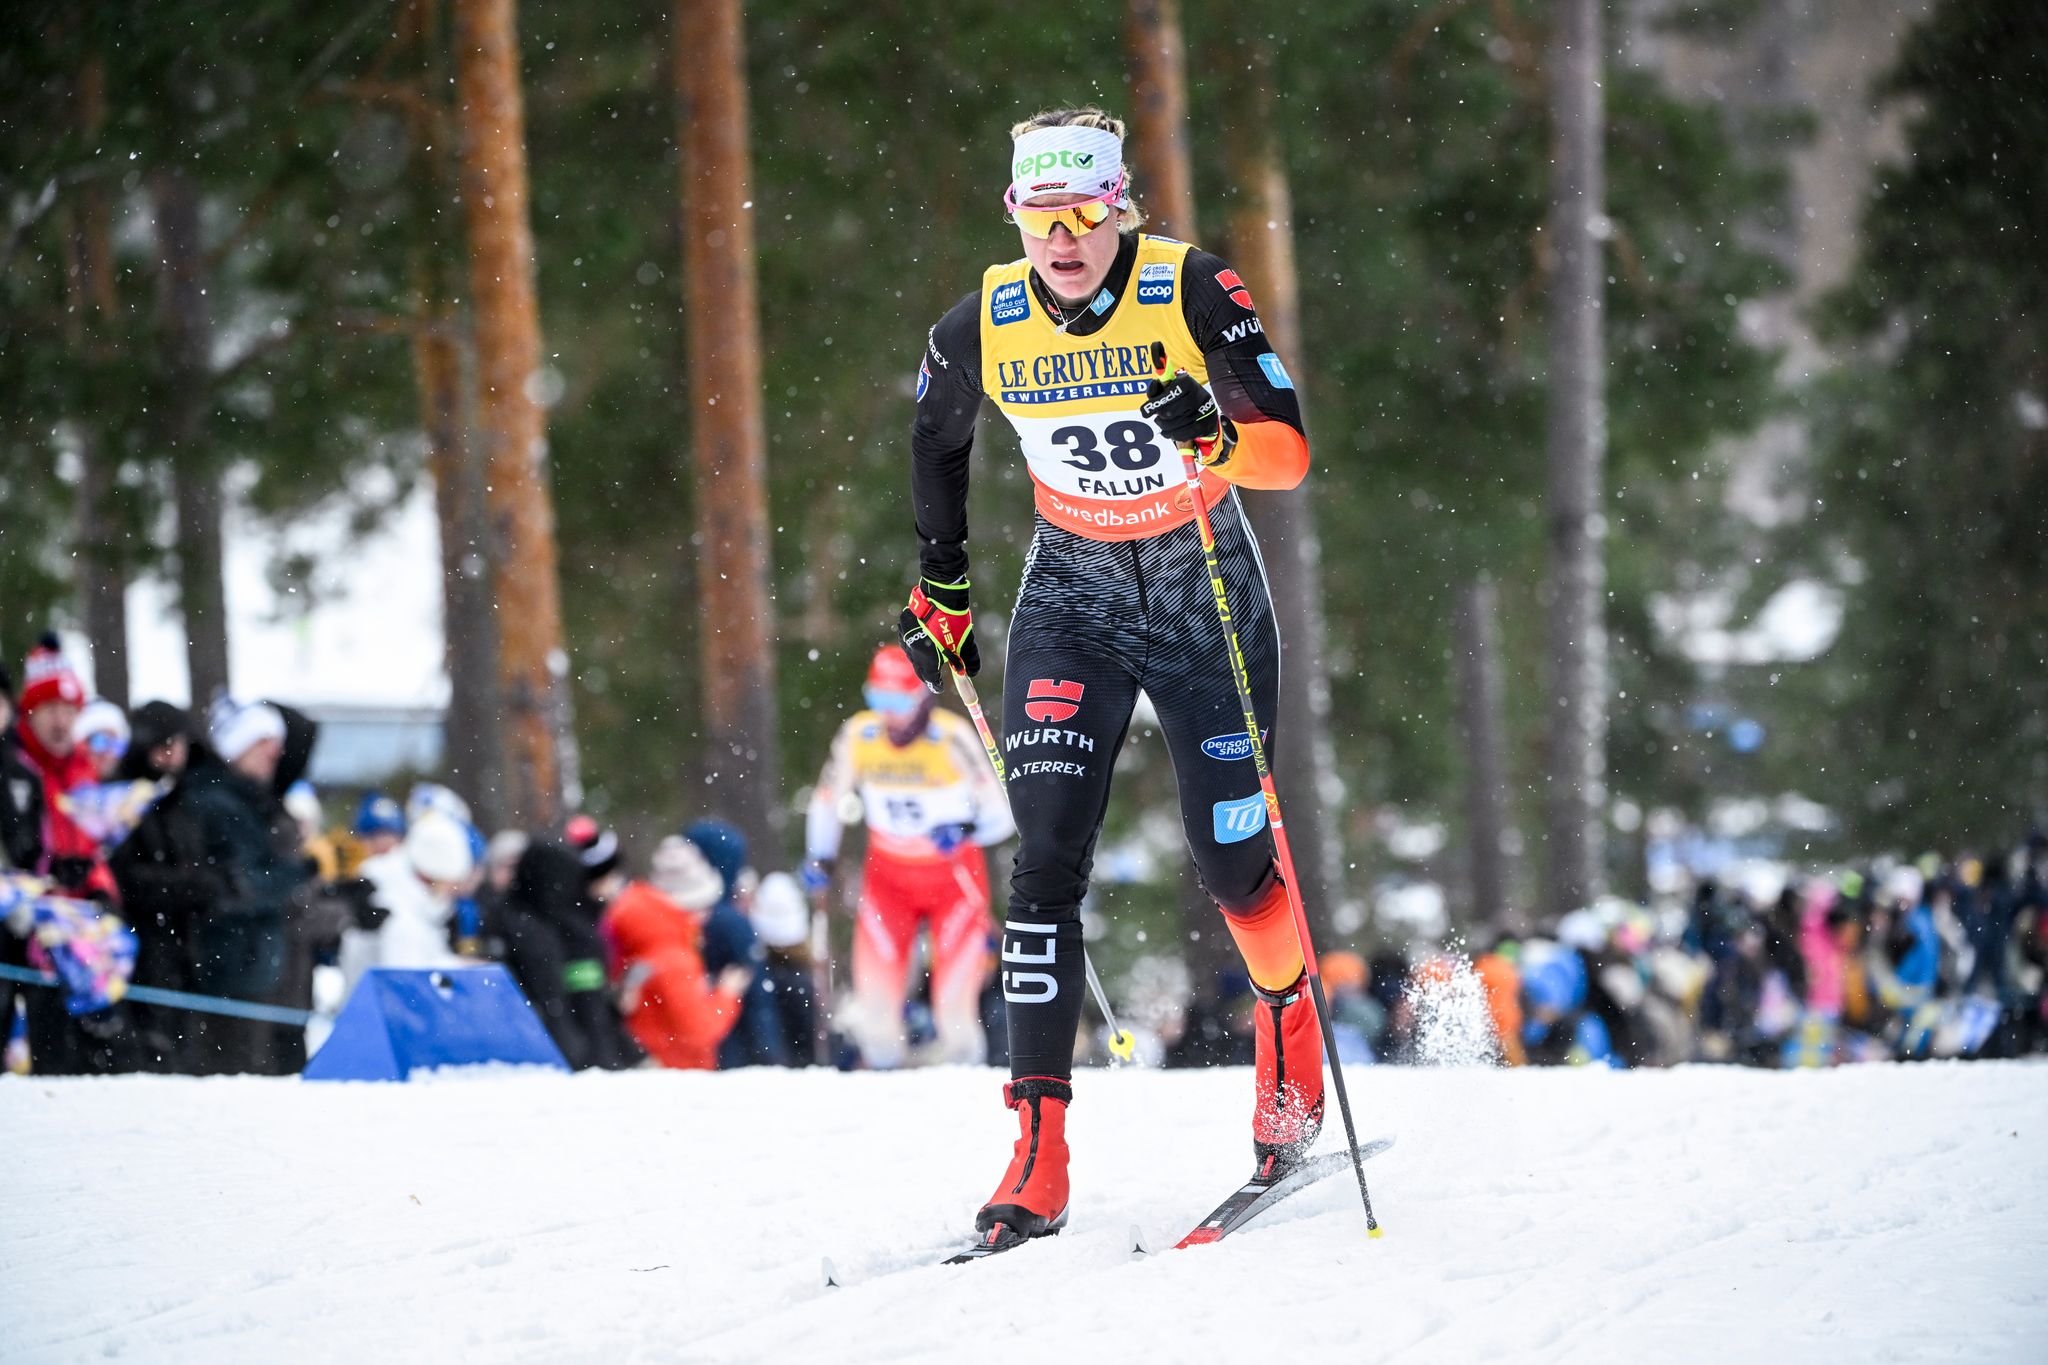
(1100, 469)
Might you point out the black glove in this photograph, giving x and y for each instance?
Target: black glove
(360, 896)
(1183, 410)
(939, 622)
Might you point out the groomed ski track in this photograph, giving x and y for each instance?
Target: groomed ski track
(1874, 1213)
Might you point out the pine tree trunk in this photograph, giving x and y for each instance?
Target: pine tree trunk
(102, 578)
(532, 663)
(443, 365)
(1576, 768)
(1162, 168)
(729, 438)
(1304, 755)
(444, 370)
(1482, 717)
(187, 331)
(102, 572)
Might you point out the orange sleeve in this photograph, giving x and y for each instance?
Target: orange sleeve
(1268, 455)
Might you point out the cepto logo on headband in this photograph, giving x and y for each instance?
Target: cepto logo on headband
(1041, 162)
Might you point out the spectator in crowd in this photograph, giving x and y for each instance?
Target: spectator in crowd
(1781, 928)
(1729, 1021)
(652, 932)
(729, 938)
(167, 883)
(782, 921)
(51, 699)
(502, 852)
(110, 805)
(1905, 960)
(501, 858)
(466, 914)
(317, 912)
(302, 801)
(67, 854)
(1218, 1031)
(1357, 1020)
(254, 843)
(102, 731)
(21, 796)
(2026, 1016)
(544, 927)
(1987, 921)
(1558, 1028)
(1502, 981)
(417, 884)
(21, 851)
(378, 827)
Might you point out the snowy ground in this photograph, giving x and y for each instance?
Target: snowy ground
(1878, 1213)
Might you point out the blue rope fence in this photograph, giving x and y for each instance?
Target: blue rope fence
(178, 1000)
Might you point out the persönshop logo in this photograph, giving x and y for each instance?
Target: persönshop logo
(1007, 303)
(1228, 748)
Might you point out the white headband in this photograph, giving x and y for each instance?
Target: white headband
(1066, 160)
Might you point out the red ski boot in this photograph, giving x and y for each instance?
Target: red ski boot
(1287, 1112)
(1032, 1199)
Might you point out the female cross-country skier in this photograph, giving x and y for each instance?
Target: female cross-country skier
(1115, 598)
(920, 780)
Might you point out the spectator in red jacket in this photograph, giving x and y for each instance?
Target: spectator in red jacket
(653, 932)
(51, 698)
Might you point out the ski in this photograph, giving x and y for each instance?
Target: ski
(1000, 1238)
(1256, 1196)
(1248, 1202)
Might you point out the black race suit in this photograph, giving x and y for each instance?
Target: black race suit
(1096, 621)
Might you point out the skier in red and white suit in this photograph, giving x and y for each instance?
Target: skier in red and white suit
(920, 780)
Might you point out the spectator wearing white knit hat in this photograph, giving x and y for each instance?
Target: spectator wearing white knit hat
(782, 917)
(102, 731)
(417, 883)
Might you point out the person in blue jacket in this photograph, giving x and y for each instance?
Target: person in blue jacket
(758, 1039)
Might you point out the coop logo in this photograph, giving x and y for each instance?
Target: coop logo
(924, 379)
(1233, 285)
(1276, 373)
(1228, 748)
(1237, 821)
(1155, 282)
(1050, 702)
(1065, 159)
(1008, 304)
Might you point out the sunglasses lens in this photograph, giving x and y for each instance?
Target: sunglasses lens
(889, 701)
(1079, 219)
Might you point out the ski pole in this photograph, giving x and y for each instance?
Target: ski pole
(1122, 1045)
(821, 984)
(1190, 462)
